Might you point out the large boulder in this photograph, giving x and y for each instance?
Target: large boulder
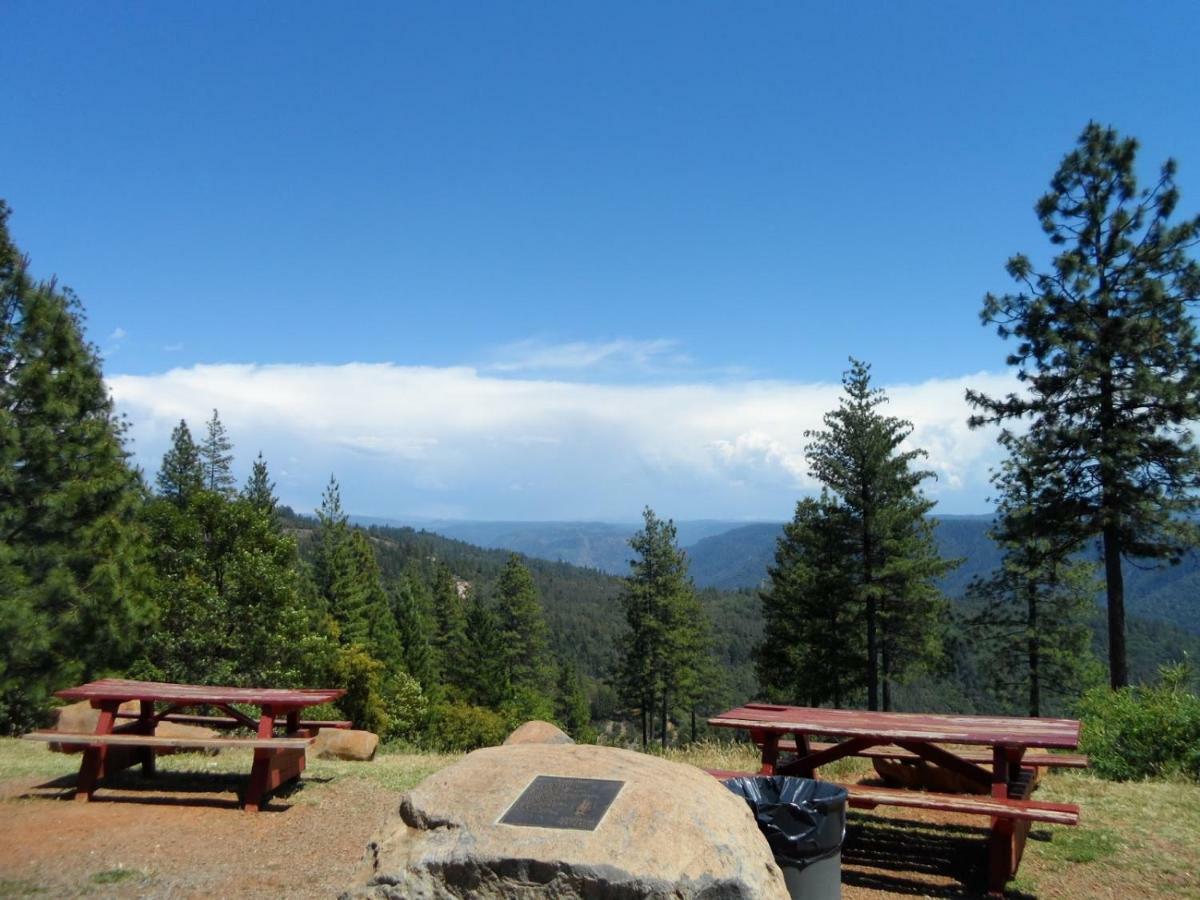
(671, 831)
(344, 743)
(538, 732)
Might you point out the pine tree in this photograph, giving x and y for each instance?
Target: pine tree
(1108, 357)
(524, 638)
(1032, 628)
(216, 458)
(260, 489)
(415, 625)
(450, 640)
(667, 628)
(813, 650)
(858, 459)
(486, 681)
(571, 705)
(74, 553)
(182, 472)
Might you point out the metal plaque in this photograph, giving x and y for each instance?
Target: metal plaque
(554, 801)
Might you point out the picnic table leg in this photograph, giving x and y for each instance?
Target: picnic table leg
(260, 772)
(770, 753)
(293, 721)
(91, 768)
(146, 726)
(1000, 842)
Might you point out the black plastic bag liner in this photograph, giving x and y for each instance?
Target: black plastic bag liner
(803, 820)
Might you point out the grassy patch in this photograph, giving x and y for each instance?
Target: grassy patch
(11, 888)
(114, 876)
(1082, 845)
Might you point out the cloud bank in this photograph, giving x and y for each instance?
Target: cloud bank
(462, 442)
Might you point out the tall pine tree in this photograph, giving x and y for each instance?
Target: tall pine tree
(216, 457)
(181, 473)
(1108, 358)
(857, 457)
(74, 552)
(524, 638)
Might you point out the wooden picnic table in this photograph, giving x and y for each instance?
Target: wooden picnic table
(1009, 780)
(277, 759)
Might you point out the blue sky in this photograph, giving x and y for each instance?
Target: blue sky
(552, 260)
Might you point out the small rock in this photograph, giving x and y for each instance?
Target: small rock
(345, 743)
(538, 732)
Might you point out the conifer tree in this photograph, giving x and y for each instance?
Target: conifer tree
(486, 681)
(1108, 361)
(814, 648)
(667, 627)
(73, 551)
(571, 705)
(260, 489)
(182, 472)
(523, 636)
(857, 457)
(1032, 627)
(216, 458)
(415, 625)
(450, 642)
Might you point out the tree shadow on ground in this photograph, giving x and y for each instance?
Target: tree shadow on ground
(913, 857)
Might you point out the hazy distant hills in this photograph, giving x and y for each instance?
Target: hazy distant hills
(732, 555)
(592, 545)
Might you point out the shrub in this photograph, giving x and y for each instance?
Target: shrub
(1145, 731)
(390, 704)
(460, 726)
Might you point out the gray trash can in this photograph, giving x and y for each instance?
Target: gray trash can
(804, 821)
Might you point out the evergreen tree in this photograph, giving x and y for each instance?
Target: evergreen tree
(450, 641)
(524, 638)
(858, 459)
(216, 457)
(813, 650)
(1032, 629)
(571, 705)
(182, 471)
(1107, 354)
(486, 681)
(667, 628)
(72, 568)
(260, 489)
(415, 625)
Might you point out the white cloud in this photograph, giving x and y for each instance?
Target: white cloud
(409, 440)
(636, 355)
(118, 334)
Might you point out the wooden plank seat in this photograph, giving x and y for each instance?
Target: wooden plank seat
(980, 757)
(864, 796)
(230, 722)
(146, 740)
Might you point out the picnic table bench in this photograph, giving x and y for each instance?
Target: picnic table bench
(1009, 782)
(277, 759)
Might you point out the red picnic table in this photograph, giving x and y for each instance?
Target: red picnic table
(1009, 781)
(276, 759)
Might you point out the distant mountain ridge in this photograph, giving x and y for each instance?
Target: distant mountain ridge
(730, 555)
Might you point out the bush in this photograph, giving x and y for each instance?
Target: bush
(390, 704)
(1146, 731)
(458, 726)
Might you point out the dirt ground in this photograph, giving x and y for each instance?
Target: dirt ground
(184, 840)
(181, 834)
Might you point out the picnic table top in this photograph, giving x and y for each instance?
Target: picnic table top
(993, 731)
(123, 689)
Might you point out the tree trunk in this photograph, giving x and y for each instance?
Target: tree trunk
(872, 633)
(1034, 654)
(693, 724)
(887, 675)
(1114, 584)
(645, 728)
(664, 719)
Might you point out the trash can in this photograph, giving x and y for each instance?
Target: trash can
(804, 821)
